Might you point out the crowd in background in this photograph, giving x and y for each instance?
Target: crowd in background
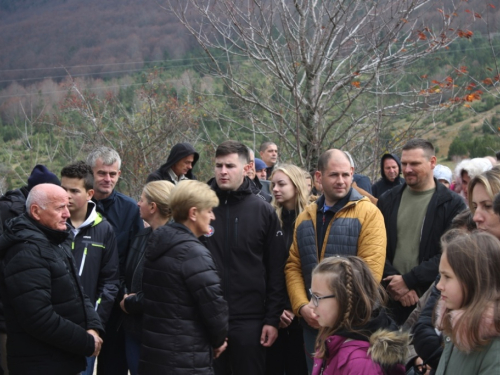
(264, 269)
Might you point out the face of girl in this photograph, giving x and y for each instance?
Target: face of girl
(327, 310)
(283, 190)
(144, 208)
(449, 286)
(484, 217)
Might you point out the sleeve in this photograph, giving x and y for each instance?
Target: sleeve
(107, 288)
(134, 304)
(426, 271)
(426, 341)
(203, 283)
(275, 255)
(294, 280)
(372, 241)
(29, 286)
(491, 361)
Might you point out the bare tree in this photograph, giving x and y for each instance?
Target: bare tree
(313, 74)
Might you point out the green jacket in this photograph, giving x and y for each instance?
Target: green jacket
(484, 361)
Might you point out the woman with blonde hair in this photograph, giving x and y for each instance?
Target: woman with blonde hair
(290, 197)
(154, 208)
(185, 315)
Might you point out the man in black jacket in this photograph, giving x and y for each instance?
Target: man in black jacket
(416, 215)
(51, 324)
(249, 251)
(390, 170)
(179, 165)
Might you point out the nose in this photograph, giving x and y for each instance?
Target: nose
(439, 285)
(311, 304)
(212, 216)
(477, 218)
(65, 213)
(275, 188)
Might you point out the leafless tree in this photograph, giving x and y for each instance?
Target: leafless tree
(329, 71)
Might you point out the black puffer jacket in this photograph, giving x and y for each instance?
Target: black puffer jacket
(12, 204)
(178, 152)
(185, 315)
(46, 311)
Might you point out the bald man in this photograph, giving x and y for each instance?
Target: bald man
(51, 324)
(340, 222)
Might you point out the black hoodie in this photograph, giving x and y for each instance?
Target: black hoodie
(178, 152)
(384, 184)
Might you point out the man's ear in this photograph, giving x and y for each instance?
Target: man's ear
(35, 211)
(246, 168)
(90, 194)
(317, 176)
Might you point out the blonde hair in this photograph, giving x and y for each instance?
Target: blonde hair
(158, 192)
(188, 194)
(475, 260)
(491, 182)
(297, 176)
(357, 292)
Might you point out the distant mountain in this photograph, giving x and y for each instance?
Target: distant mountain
(42, 38)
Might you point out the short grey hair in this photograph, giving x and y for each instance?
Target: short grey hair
(38, 197)
(106, 154)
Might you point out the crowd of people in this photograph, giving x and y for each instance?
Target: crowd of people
(265, 269)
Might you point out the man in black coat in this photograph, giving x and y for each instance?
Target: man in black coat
(249, 250)
(51, 324)
(179, 165)
(390, 170)
(416, 215)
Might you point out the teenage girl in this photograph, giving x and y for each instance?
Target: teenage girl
(356, 335)
(468, 311)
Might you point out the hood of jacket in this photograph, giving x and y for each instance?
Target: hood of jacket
(24, 229)
(167, 237)
(178, 152)
(396, 159)
(487, 329)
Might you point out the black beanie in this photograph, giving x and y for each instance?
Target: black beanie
(41, 175)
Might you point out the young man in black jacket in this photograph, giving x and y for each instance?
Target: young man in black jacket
(247, 244)
(93, 243)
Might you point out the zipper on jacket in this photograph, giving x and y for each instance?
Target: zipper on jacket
(236, 230)
(83, 261)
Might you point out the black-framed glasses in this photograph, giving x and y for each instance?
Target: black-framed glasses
(315, 299)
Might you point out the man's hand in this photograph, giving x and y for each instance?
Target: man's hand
(97, 342)
(122, 302)
(309, 316)
(409, 299)
(268, 336)
(218, 351)
(286, 318)
(397, 287)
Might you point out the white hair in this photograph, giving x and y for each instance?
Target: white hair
(36, 196)
(106, 154)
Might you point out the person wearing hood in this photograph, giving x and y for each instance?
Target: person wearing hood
(249, 250)
(390, 170)
(179, 165)
(185, 319)
(93, 243)
(356, 335)
(261, 187)
(51, 323)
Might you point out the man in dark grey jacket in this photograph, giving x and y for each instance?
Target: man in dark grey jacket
(51, 324)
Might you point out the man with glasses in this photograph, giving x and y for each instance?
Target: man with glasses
(340, 222)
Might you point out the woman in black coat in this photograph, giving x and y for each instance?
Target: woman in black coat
(185, 317)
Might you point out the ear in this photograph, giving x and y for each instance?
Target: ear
(192, 214)
(352, 171)
(90, 194)
(317, 175)
(433, 161)
(246, 168)
(119, 173)
(35, 211)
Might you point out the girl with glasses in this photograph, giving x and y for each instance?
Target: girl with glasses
(356, 335)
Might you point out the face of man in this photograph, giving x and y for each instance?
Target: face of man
(262, 174)
(105, 178)
(417, 169)
(230, 171)
(55, 213)
(336, 179)
(270, 155)
(183, 166)
(391, 169)
(78, 196)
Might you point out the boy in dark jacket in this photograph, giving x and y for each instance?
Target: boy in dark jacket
(93, 243)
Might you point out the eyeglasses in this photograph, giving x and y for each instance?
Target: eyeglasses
(315, 299)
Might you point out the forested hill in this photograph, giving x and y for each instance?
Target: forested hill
(36, 34)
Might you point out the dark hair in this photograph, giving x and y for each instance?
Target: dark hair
(464, 220)
(497, 154)
(233, 147)
(496, 204)
(415, 143)
(80, 170)
(264, 145)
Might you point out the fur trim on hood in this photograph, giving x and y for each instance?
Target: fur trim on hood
(389, 348)
(487, 328)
